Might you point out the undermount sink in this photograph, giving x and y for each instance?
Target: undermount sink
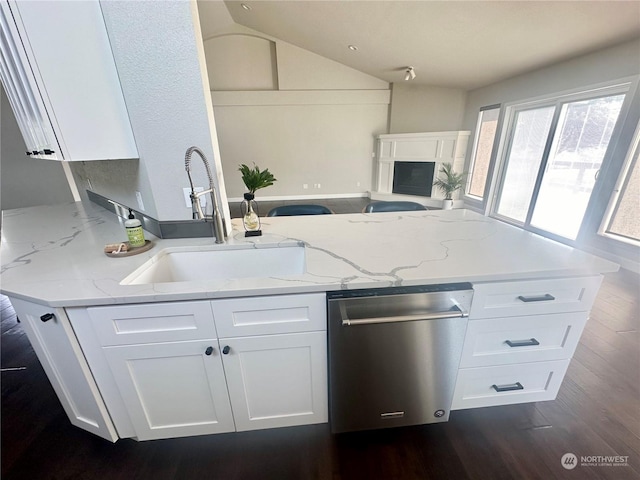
(184, 264)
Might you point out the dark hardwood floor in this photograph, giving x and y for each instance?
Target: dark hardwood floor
(597, 413)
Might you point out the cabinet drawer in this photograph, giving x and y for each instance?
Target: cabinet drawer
(152, 323)
(533, 297)
(508, 384)
(238, 317)
(499, 341)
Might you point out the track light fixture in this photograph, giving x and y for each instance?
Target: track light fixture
(410, 75)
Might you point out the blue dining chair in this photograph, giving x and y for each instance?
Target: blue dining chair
(392, 206)
(290, 210)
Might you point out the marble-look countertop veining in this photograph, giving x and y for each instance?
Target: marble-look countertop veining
(54, 255)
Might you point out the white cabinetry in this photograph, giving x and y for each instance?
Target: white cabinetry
(61, 80)
(275, 378)
(165, 370)
(172, 389)
(142, 355)
(520, 339)
(55, 344)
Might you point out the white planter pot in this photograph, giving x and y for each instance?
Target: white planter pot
(447, 204)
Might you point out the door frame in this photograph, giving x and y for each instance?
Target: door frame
(624, 86)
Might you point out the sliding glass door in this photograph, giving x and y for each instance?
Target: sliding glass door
(554, 153)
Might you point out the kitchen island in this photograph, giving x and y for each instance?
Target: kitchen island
(250, 352)
(54, 255)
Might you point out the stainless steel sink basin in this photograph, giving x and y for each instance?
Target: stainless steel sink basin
(184, 264)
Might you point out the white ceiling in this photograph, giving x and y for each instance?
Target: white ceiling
(461, 44)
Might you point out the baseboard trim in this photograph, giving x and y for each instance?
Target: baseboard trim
(280, 198)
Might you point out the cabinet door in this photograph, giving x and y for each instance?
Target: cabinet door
(172, 389)
(22, 91)
(59, 353)
(277, 380)
(67, 95)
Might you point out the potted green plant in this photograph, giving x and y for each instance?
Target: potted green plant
(254, 179)
(449, 182)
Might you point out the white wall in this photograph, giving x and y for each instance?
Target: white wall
(314, 125)
(159, 57)
(421, 108)
(330, 145)
(26, 181)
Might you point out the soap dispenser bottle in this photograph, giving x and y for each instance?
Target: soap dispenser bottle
(134, 231)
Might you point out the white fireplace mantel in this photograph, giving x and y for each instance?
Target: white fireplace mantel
(438, 147)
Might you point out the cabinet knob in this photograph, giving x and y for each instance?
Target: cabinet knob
(208, 351)
(226, 349)
(47, 316)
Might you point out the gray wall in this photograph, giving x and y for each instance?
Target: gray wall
(421, 108)
(602, 66)
(25, 181)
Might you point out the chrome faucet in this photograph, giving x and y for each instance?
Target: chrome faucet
(216, 218)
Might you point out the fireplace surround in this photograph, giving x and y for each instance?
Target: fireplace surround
(431, 148)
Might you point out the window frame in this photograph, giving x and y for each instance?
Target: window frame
(481, 202)
(631, 159)
(624, 86)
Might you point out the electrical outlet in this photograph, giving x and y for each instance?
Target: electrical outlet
(187, 197)
(319, 186)
(305, 186)
(357, 184)
(140, 202)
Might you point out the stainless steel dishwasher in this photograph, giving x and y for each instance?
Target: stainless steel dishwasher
(394, 354)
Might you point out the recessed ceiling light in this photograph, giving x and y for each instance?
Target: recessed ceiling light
(353, 48)
(245, 6)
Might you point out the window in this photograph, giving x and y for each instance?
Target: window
(554, 151)
(621, 220)
(482, 148)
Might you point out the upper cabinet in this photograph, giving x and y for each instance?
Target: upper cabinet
(59, 74)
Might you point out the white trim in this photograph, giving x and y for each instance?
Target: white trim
(586, 91)
(474, 151)
(301, 97)
(71, 181)
(607, 218)
(276, 198)
(620, 86)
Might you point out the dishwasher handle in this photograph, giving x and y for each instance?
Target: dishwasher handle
(456, 312)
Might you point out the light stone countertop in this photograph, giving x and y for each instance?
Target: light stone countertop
(53, 255)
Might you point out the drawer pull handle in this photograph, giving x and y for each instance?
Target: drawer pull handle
(507, 388)
(523, 343)
(208, 351)
(540, 298)
(226, 349)
(47, 316)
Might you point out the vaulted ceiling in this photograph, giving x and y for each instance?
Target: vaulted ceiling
(462, 44)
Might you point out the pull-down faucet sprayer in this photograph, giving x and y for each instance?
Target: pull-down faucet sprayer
(216, 218)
